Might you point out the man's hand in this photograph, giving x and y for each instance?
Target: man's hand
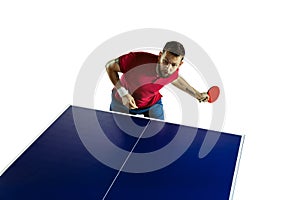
(129, 102)
(202, 97)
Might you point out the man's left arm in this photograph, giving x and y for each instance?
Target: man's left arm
(186, 87)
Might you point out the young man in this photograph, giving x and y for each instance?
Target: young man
(144, 74)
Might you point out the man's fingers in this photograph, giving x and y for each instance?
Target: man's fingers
(204, 97)
(203, 100)
(129, 102)
(132, 104)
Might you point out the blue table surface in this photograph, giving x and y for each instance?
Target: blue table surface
(59, 166)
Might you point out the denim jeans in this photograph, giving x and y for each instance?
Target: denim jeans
(156, 111)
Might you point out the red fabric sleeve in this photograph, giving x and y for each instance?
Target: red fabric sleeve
(126, 62)
(134, 59)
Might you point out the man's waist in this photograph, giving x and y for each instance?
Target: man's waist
(141, 102)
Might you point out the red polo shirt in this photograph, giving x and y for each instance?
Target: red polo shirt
(140, 78)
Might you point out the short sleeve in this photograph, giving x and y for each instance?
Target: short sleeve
(134, 59)
(126, 62)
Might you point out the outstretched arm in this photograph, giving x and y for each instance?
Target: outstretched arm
(112, 69)
(186, 87)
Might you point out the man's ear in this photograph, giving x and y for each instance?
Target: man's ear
(180, 63)
(159, 55)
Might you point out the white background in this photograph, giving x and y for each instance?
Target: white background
(255, 46)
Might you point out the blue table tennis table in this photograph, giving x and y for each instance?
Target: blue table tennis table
(76, 159)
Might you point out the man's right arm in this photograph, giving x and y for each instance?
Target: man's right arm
(112, 69)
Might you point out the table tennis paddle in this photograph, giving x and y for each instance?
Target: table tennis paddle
(213, 93)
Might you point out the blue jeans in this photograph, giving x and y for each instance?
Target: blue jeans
(156, 111)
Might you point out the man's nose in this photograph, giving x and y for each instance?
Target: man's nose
(169, 66)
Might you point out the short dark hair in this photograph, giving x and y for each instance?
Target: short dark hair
(175, 48)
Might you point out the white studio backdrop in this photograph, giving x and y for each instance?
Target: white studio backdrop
(255, 46)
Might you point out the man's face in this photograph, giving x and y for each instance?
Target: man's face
(168, 64)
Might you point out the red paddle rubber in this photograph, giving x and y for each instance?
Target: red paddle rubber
(213, 93)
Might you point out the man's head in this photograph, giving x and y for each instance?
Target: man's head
(170, 59)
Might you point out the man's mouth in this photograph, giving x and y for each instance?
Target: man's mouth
(165, 71)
